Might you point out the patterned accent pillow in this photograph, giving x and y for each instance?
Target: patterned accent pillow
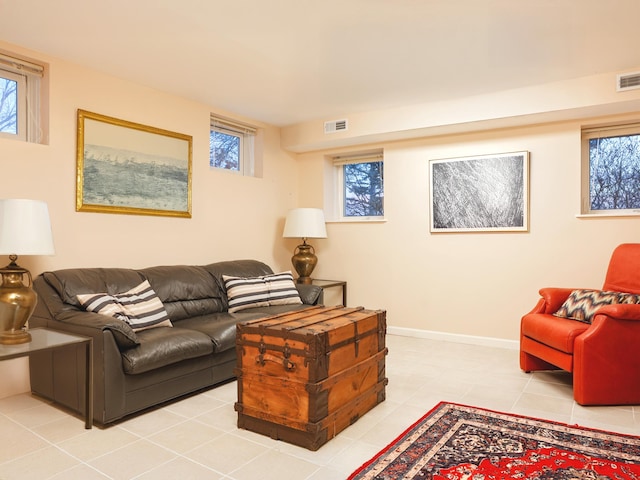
(628, 298)
(264, 291)
(140, 307)
(582, 304)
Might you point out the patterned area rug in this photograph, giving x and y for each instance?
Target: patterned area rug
(456, 442)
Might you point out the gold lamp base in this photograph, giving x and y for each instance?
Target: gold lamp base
(15, 338)
(17, 302)
(304, 261)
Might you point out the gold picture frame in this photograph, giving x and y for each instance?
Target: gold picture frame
(129, 168)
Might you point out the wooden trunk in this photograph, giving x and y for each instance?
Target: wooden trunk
(305, 376)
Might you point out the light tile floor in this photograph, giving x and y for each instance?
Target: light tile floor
(197, 438)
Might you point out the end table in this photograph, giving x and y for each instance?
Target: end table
(45, 339)
(330, 284)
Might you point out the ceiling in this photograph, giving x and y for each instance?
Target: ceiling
(288, 61)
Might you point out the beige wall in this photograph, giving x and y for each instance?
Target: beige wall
(477, 284)
(577, 98)
(233, 216)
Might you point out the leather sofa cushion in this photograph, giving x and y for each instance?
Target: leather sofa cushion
(558, 333)
(220, 328)
(163, 346)
(186, 291)
(71, 282)
(238, 268)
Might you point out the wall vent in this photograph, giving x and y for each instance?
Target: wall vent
(336, 126)
(628, 81)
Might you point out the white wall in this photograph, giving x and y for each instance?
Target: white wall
(233, 216)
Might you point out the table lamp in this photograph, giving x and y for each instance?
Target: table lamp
(25, 229)
(304, 223)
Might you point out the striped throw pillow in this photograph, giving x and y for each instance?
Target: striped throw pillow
(264, 291)
(140, 307)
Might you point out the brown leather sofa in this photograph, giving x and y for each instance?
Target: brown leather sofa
(135, 370)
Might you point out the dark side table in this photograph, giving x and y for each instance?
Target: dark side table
(330, 284)
(43, 339)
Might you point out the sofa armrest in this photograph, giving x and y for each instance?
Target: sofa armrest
(124, 335)
(310, 294)
(52, 312)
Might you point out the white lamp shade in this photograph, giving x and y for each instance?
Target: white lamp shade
(305, 223)
(25, 228)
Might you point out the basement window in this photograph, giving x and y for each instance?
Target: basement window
(358, 187)
(232, 146)
(611, 170)
(20, 99)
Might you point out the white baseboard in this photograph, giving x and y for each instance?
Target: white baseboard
(454, 337)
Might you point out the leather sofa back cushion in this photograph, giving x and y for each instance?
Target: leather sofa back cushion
(237, 268)
(186, 291)
(72, 282)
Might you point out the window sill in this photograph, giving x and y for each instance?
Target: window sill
(633, 214)
(358, 220)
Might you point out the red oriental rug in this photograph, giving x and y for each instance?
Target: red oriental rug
(457, 442)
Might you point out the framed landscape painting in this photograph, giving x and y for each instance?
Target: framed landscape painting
(125, 167)
(480, 194)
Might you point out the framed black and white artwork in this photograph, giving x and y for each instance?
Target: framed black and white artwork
(480, 194)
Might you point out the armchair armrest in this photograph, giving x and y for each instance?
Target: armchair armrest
(620, 311)
(552, 299)
(606, 363)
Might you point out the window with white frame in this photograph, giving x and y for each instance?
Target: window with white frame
(232, 146)
(611, 169)
(20, 102)
(359, 180)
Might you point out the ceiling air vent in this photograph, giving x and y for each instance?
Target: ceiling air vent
(628, 81)
(335, 126)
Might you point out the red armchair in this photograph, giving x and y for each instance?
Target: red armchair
(603, 356)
